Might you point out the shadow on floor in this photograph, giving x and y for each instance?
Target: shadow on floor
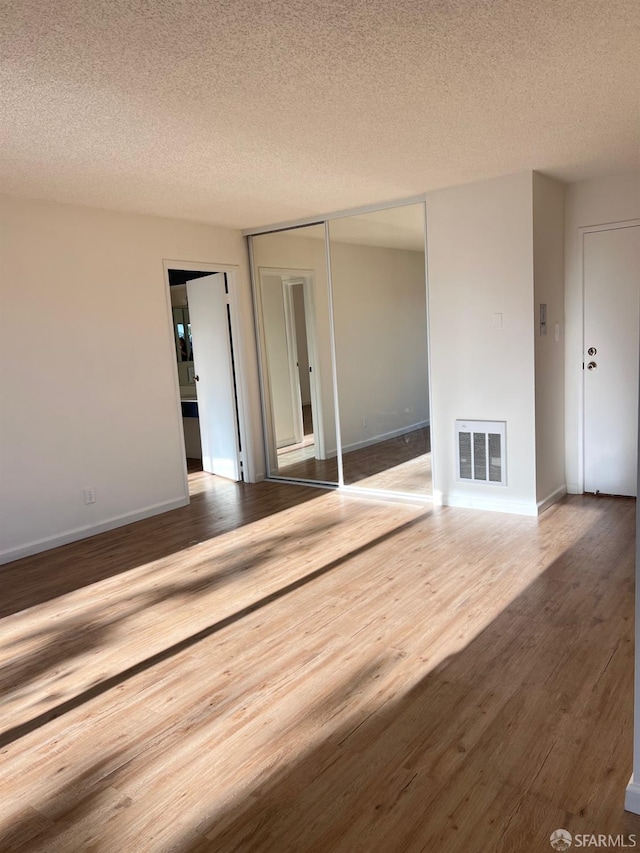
(222, 506)
(526, 729)
(78, 635)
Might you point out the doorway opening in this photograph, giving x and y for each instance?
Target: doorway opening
(302, 380)
(290, 334)
(207, 382)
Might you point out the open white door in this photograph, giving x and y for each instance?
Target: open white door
(213, 366)
(611, 340)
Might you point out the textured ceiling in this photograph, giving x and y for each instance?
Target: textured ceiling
(246, 113)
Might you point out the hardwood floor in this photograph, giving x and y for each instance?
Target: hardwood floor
(278, 668)
(399, 464)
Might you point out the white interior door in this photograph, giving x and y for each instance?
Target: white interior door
(611, 340)
(213, 366)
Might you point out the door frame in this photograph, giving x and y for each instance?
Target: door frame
(294, 276)
(589, 229)
(312, 353)
(237, 345)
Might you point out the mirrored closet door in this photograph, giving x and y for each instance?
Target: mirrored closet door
(293, 308)
(380, 320)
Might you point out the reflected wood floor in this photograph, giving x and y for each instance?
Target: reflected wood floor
(296, 453)
(399, 464)
(277, 668)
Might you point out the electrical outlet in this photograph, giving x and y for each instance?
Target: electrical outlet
(364, 422)
(89, 495)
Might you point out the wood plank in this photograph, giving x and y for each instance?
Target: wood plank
(321, 673)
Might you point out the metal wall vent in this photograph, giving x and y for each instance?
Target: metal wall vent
(481, 452)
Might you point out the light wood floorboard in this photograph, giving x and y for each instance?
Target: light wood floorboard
(278, 668)
(399, 464)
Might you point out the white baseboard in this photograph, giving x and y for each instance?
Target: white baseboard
(551, 499)
(572, 489)
(490, 504)
(632, 797)
(48, 542)
(376, 439)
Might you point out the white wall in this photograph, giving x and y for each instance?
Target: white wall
(480, 262)
(88, 367)
(548, 272)
(379, 298)
(594, 202)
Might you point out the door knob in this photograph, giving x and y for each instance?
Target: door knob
(592, 351)
(592, 365)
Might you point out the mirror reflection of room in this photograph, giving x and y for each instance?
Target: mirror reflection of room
(182, 331)
(291, 282)
(184, 356)
(380, 316)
